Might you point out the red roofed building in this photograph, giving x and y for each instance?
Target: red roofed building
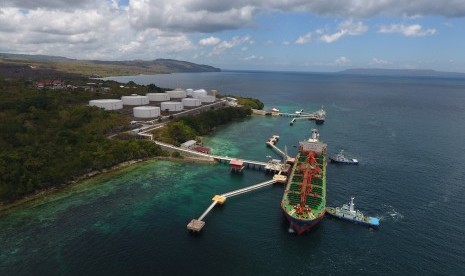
(53, 84)
(202, 150)
(236, 165)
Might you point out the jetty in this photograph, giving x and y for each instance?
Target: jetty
(318, 116)
(272, 144)
(250, 164)
(275, 166)
(281, 169)
(196, 225)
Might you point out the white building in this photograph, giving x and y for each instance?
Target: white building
(146, 111)
(207, 99)
(158, 97)
(135, 100)
(189, 144)
(199, 93)
(177, 93)
(107, 104)
(191, 102)
(171, 106)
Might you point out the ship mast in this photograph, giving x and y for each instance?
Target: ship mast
(351, 204)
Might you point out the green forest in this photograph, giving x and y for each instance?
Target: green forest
(188, 128)
(49, 137)
(250, 102)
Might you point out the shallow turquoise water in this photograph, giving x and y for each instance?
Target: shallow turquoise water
(408, 134)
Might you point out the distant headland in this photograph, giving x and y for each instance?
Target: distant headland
(98, 68)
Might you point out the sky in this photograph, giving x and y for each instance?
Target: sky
(290, 35)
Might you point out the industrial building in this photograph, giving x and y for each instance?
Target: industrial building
(135, 100)
(171, 106)
(158, 97)
(107, 104)
(191, 102)
(189, 92)
(177, 93)
(199, 93)
(207, 99)
(146, 111)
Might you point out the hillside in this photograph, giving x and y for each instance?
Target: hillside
(97, 68)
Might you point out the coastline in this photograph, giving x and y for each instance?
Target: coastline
(5, 206)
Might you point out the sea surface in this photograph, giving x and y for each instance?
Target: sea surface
(407, 132)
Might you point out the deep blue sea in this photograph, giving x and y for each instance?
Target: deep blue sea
(407, 132)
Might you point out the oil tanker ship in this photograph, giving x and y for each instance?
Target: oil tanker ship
(304, 199)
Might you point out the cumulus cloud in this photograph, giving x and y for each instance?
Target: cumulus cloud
(342, 61)
(378, 61)
(304, 39)
(98, 33)
(253, 57)
(183, 16)
(407, 30)
(346, 28)
(48, 4)
(144, 28)
(209, 41)
(228, 44)
(211, 16)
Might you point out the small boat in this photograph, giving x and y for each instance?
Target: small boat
(348, 212)
(274, 110)
(341, 159)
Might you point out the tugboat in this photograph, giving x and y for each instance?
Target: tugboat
(348, 212)
(341, 159)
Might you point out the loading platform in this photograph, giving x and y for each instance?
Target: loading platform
(196, 225)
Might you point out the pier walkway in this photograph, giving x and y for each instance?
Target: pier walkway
(218, 158)
(249, 189)
(196, 225)
(278, 150)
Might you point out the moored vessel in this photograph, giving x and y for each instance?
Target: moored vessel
(320, 116)
(304, 199)
(348, 212)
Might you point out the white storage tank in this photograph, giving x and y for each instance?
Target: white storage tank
(207, 99)
(146, 111)
(158, 97)
(171, 106)
(107, 104)
(135, 100)
(189, 92)
(190, 102)
(199, 93)
(177, 94)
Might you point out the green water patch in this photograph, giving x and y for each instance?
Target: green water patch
(153, 196)
(105, 204)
